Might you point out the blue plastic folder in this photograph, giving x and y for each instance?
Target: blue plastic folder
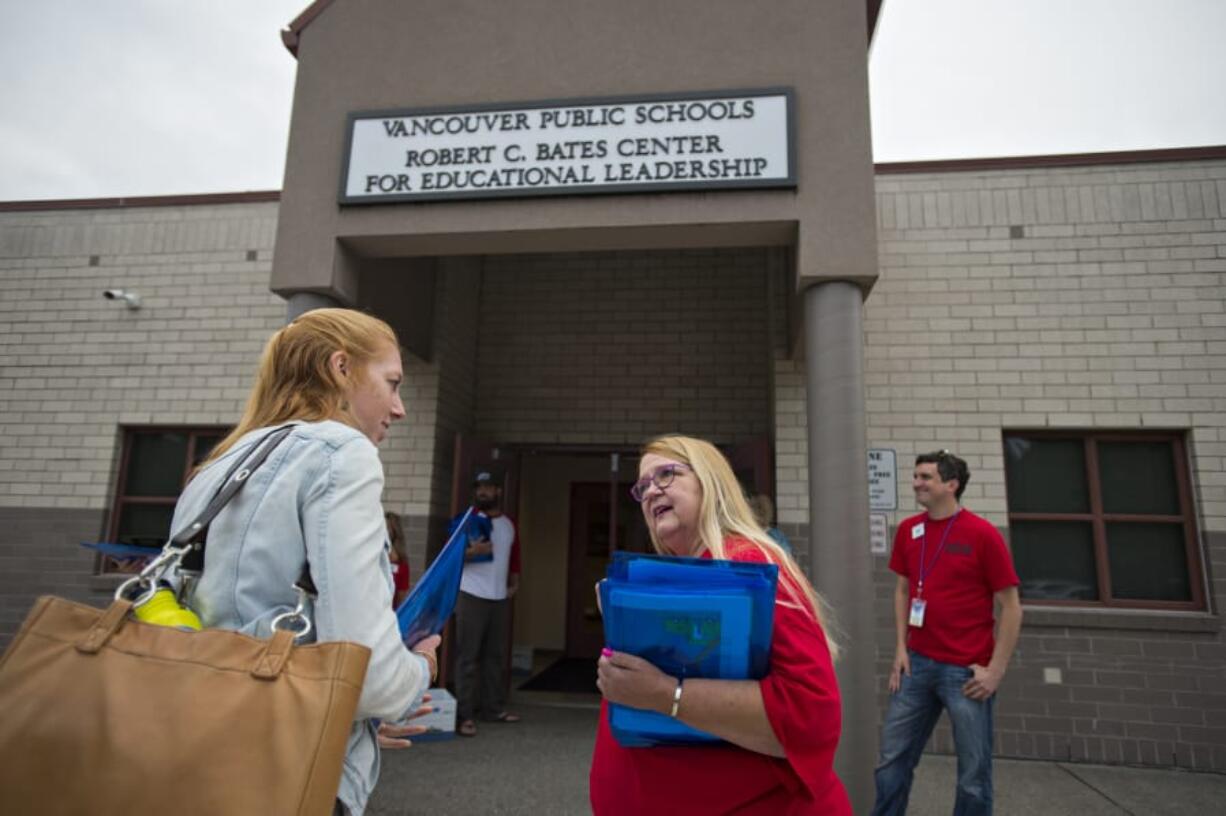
(122, 551)
(430, 604)
(476, 526)
(689, 617)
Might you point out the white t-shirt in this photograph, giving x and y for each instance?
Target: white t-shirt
(488, 579)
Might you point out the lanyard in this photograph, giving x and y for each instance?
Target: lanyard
(924, 573)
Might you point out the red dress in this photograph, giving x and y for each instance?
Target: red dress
(803, 706)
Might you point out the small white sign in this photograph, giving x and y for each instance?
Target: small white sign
(882, 479)
(878, 533)
(682, 141)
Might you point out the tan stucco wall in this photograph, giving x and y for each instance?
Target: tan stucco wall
(385, 54)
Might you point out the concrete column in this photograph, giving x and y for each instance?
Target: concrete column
(301, 302)
(838, 516)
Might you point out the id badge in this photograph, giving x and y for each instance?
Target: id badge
(917, 612)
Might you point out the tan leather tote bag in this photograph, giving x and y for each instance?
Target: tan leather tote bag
(104, 714)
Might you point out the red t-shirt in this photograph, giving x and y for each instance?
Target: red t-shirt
(959, 584)
(400, 575)
(801, 695)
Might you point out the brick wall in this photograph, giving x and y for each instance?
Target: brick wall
(610, 348)
(438, 397)
(40, 554)
(457, 333)
(579, 348)
(1055, 298)
(75, 367)
(1080, 298)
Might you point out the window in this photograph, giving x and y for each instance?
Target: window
(154, 467)
(1102, 519)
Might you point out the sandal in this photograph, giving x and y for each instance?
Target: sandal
(468, 728)
(505, 717)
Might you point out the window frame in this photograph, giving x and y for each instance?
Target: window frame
(1098, 519)
(121, 500)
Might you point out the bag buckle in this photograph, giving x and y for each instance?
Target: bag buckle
(147, 581)
(296, 622)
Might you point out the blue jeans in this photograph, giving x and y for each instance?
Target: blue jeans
(913, 712)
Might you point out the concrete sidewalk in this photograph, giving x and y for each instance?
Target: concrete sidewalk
(540, 766)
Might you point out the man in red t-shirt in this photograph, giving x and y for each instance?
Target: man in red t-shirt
(952, 566)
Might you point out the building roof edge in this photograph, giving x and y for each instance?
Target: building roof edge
(193, 199)
(1174, 154)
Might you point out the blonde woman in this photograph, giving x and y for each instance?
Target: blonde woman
(335, 374)
(782, 730)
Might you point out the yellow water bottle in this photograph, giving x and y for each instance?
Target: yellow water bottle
(164, 609)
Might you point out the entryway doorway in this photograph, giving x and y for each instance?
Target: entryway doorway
(574, 512)
(570, 521)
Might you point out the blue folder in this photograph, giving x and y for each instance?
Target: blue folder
(476, 526)
(690, 618)
(122, 551)
(430, 604)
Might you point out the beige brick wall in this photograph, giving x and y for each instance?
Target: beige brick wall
(74, 367)
(1075, 297)
(408, 453)
(1079, 297)
(1085, 297)
(1064, 298)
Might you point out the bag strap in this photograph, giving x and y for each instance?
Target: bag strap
(276, 653)
(195, 534)
(108, 623)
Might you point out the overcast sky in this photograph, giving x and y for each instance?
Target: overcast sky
(156, 97)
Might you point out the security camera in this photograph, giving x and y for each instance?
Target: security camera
(130, 298)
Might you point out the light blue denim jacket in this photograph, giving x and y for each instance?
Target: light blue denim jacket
(317, 497)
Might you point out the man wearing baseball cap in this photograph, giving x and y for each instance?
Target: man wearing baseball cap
(483, 612)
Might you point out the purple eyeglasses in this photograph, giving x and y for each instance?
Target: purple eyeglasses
(661, 477)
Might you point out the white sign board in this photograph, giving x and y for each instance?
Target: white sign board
(882, 479)
(680, 142)
(878, 533)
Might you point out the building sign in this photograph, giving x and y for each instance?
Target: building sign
(878, 534)
(882, 479)
(732, 139)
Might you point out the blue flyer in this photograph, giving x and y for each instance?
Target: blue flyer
(430, 604)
